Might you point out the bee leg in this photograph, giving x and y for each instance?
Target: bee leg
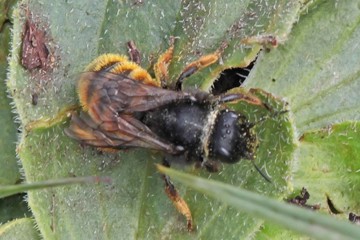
(266, 41)
(176, 199)
(162, 64)
(246, 97)
(199, 64)
(195, 66)
(209, 165)
(134, 53)
(249, 98)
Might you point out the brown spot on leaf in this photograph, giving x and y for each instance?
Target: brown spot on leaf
(354, 218)
(34, 99)
(35, 53)
(301, 200)
(38, 54)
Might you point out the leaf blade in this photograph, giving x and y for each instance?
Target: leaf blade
(292, 217)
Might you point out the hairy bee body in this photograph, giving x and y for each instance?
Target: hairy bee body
(126, 113)
(204, 131)
(124, 107)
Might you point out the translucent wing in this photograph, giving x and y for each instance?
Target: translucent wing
(110, 102)
(125, 132)
(105, 95)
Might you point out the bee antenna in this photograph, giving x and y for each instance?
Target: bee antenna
(265, 176)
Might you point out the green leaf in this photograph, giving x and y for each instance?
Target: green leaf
(9, 171)
(13, 207)
(329, 162)
(273, 231)
(312, 71)
(23, 228)
(8, 190)
(205, 25)
(331, 156)
(292, 217)
(317, 70)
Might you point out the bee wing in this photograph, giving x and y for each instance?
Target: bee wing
(125, 132)
(106, 94)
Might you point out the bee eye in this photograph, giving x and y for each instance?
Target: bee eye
(224, 152)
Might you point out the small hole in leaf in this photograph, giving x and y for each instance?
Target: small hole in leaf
(331, 206)
(231, 78)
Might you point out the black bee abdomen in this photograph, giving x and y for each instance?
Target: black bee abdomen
(179, 123)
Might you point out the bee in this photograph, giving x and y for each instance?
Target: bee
(124, 107)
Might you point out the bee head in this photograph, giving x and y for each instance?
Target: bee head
(233, 138)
